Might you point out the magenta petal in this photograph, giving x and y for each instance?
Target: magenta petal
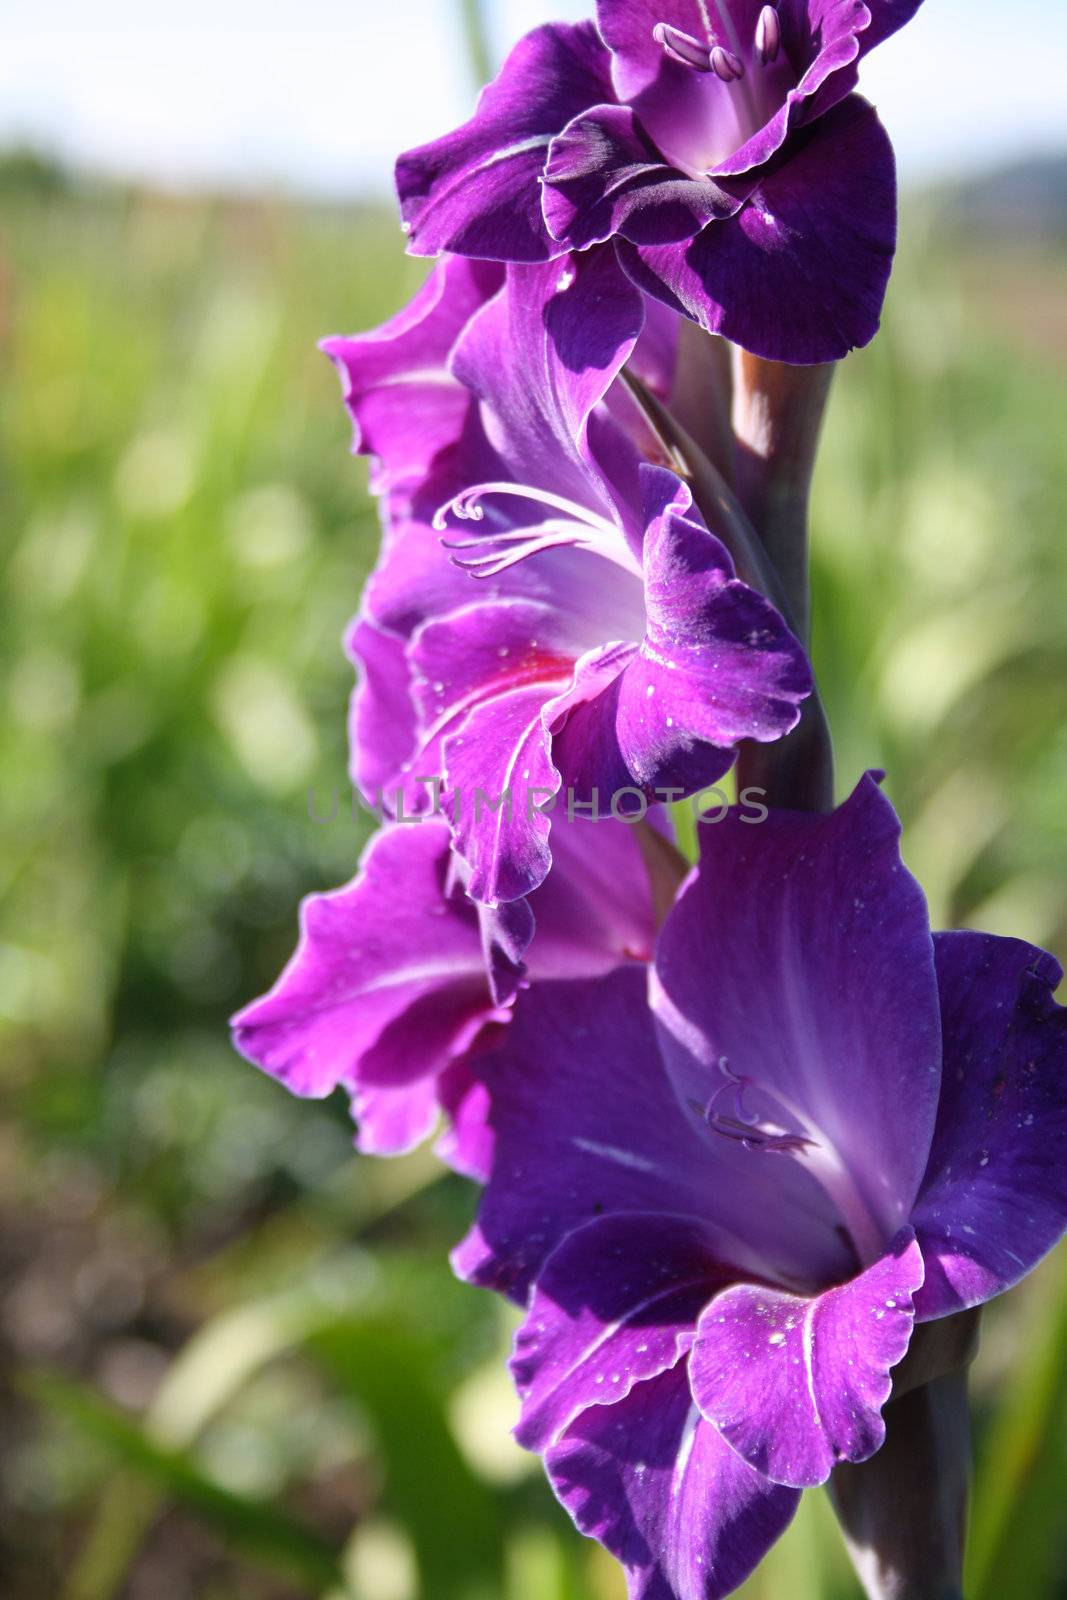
(387, 984)
(659, 1488)
(389, 1121)
(498, 776)
(477, 191)
(818, 917)
(612, 1306)
(796, 1384)
(382, 731)
(394, 380)
(800, 273)
(605, 176)
(994, 1198)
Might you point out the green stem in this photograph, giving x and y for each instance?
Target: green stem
(475, 33)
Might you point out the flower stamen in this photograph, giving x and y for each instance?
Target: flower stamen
(805, 1141)
(495, 551)
(682, 47)
(768, 35)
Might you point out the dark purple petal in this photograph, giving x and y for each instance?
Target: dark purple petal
(656, 1485)
(404, 406)
(387, 984)
(476, 191)
(613, 1305)
(796, 1384)
(498, 775)
(605, 176)
(994, 1198)
(818, 918)
(800, 273)
(706, 124)
(584, 1126)
(587, 1124)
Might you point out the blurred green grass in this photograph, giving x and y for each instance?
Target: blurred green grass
(232, 1362)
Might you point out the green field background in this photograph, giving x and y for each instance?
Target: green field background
(233, 1363)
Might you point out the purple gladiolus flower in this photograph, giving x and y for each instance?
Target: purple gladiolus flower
(726, 1210)
(717, 143)
(399, 978)
(551, 611)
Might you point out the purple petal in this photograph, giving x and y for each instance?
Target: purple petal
(656, 1485)
(817, 917)
(476, 191)
(994, 1198)
(717, 664)
(612, 1306)
(541, 358)
(605, 176)
(395, 383)
(797, 1384)
(800, 273)
(386, 987)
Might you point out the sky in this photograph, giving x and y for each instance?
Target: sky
(320, 96)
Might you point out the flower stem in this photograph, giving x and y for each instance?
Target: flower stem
(475, 33)
(904, 1512)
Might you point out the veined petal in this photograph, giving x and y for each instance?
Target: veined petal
(797, 1384)
(476, 191)
(660, 1489)
(994, 1197)
(817, 916)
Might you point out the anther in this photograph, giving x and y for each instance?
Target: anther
(768, 35)
(725, 65)
(682, 47)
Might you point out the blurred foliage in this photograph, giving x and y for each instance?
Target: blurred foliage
(233, 1365)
